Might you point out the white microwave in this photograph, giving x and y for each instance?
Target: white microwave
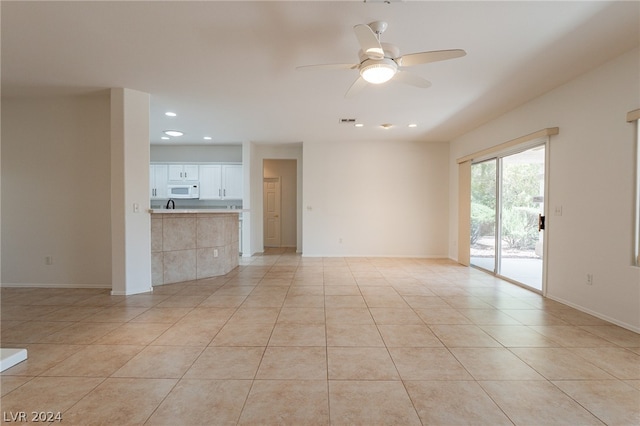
(184, 190)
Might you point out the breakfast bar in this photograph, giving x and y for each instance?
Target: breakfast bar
(193, 244)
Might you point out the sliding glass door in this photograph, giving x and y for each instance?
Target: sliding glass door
(507, 216)
(483, 214)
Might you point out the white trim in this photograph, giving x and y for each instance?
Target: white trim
(10, 357)
(124, 293)
(380, 256)
(505, 148)
(595, 314)
(631, 117)
(54, 285)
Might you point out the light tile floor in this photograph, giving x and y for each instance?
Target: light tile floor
(303, 341)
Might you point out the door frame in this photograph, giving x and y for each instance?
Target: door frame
(464, 190)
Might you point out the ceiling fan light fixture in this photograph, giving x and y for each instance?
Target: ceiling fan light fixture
(378, 71)
(375, 51)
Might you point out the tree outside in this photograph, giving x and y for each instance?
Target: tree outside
(521, 187)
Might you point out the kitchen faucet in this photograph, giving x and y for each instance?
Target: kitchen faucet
(173, 204)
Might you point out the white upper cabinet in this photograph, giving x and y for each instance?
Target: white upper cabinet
(158, 181)
(217, 181)
(221, 181)
(210, 181)
(183, 172)
(232, 182)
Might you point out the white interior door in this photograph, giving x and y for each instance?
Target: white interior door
(272, 214)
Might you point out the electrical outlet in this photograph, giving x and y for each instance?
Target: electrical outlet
(589, 279)
(215, 252)
(48, 260)
(340, 240)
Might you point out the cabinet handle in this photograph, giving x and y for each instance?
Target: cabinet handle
(219, 192)
(225, 192)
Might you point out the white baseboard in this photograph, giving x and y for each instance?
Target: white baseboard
(10, 357)
(126, 293)
(631, 327)
(53, 285)
(378, 256)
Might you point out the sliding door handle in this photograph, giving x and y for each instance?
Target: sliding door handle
(540, 222)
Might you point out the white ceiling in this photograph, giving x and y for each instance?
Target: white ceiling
(228, 69)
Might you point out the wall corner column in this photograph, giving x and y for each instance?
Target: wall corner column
(130, 219)
(464, 212)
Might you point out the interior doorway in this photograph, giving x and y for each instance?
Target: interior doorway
(507, 216)
(280, 188)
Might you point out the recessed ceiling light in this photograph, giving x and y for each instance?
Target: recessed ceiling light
(170, 114)
(359, 125)
(165, 138)
(413, 125)
(173, 133)
(208, 138)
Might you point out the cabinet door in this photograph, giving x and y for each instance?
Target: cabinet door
(232, 182)
(183, 172)
(158, 180)
(210, 182)
(152, 182)
(190, 172)
(175, 172)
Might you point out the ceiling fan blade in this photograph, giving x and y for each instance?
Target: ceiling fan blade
(411, 79)
(426, 57)
(369, 43)
(356, 87)
(328, 67)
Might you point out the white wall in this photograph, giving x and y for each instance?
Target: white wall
(196, 153)
(591, 177)
(55, 191)
(378, 198)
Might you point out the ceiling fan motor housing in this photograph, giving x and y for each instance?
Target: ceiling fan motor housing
(378, 27)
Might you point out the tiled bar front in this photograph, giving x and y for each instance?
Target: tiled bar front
(189, 246)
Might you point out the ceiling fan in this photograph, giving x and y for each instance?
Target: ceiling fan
(381, 62)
